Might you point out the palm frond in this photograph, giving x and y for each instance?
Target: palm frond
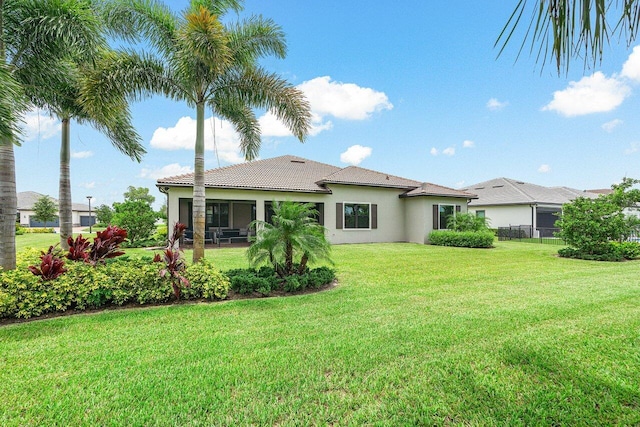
(244, 122)
(254, 38)
(562, 30)
(259, 89)
(136, 20)
(12, 104)
(217, 7)
(48, 30)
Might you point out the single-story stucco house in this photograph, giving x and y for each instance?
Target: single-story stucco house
(26, 215)
(355, 205)
(508, 202)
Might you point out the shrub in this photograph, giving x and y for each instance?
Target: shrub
(20, 230)
(39, 230)
(466, 222)
(629, 250)
(466, 239)
(265, 280)
(206, 281)
(612, 251)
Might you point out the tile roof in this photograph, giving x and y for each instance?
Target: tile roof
(505, 191)
(291, 173)
(359, 176)
(26, 200)
(285, 173)
(428, 189)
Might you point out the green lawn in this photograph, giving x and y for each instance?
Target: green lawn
(413, 335)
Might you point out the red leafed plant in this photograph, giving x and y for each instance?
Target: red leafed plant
(106, 244)
(78, 248)
(51, 265)
(173, 260)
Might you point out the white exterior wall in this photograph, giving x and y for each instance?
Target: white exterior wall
(504, 216)
(399, 219)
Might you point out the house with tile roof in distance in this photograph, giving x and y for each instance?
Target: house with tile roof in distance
(355, 205)
(26, 216)
(508, 202)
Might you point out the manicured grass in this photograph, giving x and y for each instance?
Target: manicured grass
(413, 335)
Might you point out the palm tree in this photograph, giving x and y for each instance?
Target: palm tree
(64, 101)
(567, 29)
(293, 234)
(34, 37)
(197, 59)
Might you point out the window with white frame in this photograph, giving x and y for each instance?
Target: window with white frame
(357, 215)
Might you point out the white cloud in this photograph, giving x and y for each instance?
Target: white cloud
(270, 126)
(182, 136)
(459, 184)
(544, 169)
(631, 68)
(592, 94)
(355, 154)
(493, 104)
(610, 126)
(434, 151)
(633, 148)
(468, 144)
(327, 98)
(40, 126)
(172, 169)
(449, 151)
(88, 185)
(81, 154)
(346, 101)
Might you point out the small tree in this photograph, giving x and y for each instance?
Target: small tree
(45, 210)
(590, 225)
(294, 235)
(104, 214)
(139, 193)
(137, 217)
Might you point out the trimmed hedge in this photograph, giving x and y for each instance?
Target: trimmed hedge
(264, 281)
(613, 252)
(463, 239)
(83, 286)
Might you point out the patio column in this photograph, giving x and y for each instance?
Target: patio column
(260, 215)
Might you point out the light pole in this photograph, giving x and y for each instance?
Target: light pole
(90, 221)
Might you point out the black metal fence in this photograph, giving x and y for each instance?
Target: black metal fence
(526, 233)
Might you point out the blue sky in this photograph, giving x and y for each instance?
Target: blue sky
(412, 89)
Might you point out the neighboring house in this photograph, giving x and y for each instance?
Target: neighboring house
(355, 205)
(507, 202)
(26, 215)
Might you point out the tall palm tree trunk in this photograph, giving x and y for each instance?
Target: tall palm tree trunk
(8, 197)
(64, 191)
(8, 206)
(198, 186)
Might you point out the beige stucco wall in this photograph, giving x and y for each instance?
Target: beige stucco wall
(399, 219)
(504, 216)
(419, 215)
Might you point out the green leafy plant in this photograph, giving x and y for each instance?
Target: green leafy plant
(294, 234)
(466, 239)
(590, 226)
(137, 217)
(467, 222)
